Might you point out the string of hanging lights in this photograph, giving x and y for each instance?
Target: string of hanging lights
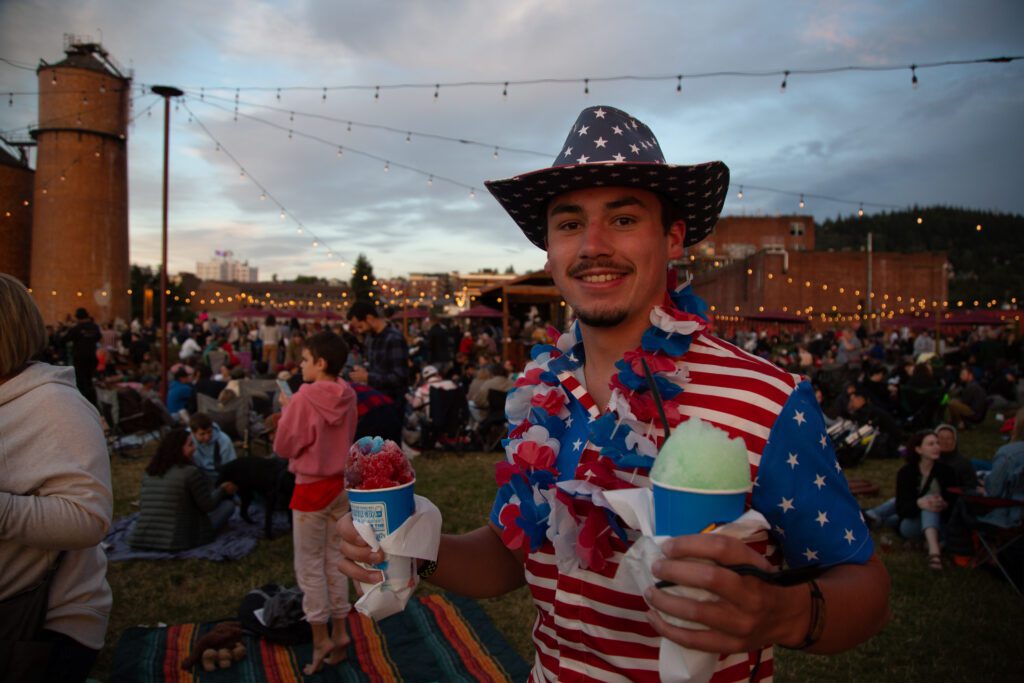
(302, 229)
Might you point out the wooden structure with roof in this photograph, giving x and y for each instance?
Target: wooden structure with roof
(515, 297)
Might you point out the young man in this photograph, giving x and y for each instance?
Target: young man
(611, 215)
(387, 354)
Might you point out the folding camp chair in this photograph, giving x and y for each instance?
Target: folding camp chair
(995, 543)
(131, 419)
(447, 419)
(493, 427)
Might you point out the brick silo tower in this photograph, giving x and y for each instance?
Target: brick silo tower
(15, 215)
(80, 206)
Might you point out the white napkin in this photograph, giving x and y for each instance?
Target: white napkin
(417, 538)
(676, 664)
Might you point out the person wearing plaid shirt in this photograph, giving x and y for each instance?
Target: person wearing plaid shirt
(387, 354)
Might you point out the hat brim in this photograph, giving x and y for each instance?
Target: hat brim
(698, 192)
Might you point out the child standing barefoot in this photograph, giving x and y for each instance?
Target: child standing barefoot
(315, 433)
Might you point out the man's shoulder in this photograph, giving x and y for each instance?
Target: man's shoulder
(710, 353)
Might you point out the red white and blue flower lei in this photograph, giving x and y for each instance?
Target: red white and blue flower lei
(542, 503)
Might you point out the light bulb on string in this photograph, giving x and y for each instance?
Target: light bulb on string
(802, 201)
(348, 129)
(387, 166)
(860, 211)
(10, 99)
(430, 181)
(263, 196)
(339, 151)
(278, 94)
(586, 86)
(408, 137)
(679, 83)
(53, 78)
(437, 90)
(376, 92)
(739, 195)
(913, 76)
(472, 193)
(323, 98)
(316, 244)
(202, 93)
(785, 79)
(282, 214)
(289, 133)
(920, 220)
(504, 91)
(103, 86)
(495, 155)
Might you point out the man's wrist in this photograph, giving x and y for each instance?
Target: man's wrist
(808, 629)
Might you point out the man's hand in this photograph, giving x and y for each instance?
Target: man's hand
(749, 612)
(283, 398)
(354, 549)
(359, 374)
(230, 488)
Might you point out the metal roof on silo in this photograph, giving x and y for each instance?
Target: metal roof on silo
(8, 159)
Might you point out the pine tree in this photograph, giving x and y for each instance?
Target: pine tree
(363, 281)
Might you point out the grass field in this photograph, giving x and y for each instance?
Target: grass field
(961, 625)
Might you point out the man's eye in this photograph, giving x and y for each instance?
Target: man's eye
(624, 220)
(569, 225)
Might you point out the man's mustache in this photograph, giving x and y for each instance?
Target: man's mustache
(595, 264)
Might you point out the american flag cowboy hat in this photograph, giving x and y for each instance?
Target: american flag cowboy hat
(607, 146)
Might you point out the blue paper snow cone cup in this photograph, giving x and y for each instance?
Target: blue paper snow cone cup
(383, 509)
(679, 511)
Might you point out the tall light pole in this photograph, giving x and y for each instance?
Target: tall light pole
(166, 92)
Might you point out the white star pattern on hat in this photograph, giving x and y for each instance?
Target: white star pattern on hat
(625, 153)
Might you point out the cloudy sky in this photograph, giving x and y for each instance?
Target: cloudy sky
(860, 136)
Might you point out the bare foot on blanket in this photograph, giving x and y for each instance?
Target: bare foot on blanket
(339, 651)
(322, 649)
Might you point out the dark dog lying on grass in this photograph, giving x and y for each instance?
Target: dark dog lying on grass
(267, 476)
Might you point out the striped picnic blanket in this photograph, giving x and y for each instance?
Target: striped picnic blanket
(436, 638)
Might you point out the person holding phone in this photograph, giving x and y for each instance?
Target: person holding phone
(315, 433)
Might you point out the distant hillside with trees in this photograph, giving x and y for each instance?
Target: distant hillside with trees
(987, 264)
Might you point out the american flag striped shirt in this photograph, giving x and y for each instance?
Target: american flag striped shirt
(588, 628)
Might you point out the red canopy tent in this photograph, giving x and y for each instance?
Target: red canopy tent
(480, 311)
(411, 314)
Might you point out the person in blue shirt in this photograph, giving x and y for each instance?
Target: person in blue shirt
(214, 448)
(181, 392)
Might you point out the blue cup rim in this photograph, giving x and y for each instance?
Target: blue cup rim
(713, 492)
(390, 488)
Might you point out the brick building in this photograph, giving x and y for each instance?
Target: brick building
(753, 266)
(16, 180)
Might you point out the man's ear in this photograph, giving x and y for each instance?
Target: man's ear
(676, 237)
(547, 266)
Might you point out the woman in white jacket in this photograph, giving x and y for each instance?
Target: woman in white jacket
(55, 505)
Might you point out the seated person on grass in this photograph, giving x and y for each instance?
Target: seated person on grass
(179, 508)
(214, 448)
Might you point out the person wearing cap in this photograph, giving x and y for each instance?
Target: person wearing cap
(611, 215)
(84, 337)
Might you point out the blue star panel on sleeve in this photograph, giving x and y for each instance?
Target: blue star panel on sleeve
(801, 490)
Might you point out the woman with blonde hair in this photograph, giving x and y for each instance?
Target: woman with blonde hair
(55, 507)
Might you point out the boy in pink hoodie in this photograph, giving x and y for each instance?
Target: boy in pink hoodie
(315, 433)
